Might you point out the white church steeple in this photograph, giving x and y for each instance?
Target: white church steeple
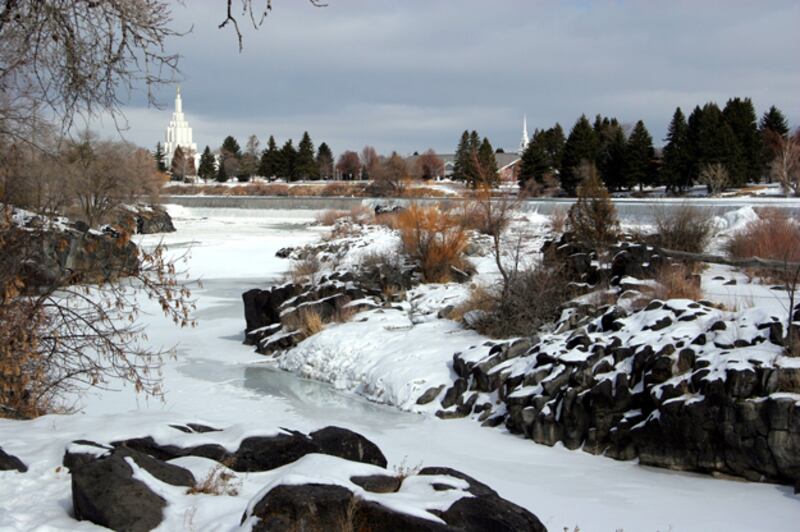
(178, 132)
(525, 140)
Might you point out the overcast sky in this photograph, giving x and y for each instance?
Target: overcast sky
(412, 74)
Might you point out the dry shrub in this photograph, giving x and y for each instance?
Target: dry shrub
(773, 236)
(684, 228)
(677, 281)
(331, 216)
(423, 192)
(387, 219)
(219, 481)
(304, 190)
(471, 216)
(480, 298)
(532, 299)
(343, 189)
(593, 217)
(305, 269)
(362, 215)
(558, 220)
(434, 239)
(310, 323)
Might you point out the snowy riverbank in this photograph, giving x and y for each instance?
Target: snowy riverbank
(218, 381)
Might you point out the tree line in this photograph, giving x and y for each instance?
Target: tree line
(716, 147)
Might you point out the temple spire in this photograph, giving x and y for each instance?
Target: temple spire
(525, 139)
(178, 102)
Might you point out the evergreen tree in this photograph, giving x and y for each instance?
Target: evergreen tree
(207, 169)
(740, 115)
(553, 141)
(676, 172)
(462, 158)
(159, 156)
(533, 164)
(713, 142)
(230, 155)
(287, 161)
(176, 166)
(182, 166)
(305, 164)
(232, 147)
(639, 156)
(222, 174)
(325, 161)
(580, 148)
(268, 165)
(771, 128)
(611, 161)
(487, 173)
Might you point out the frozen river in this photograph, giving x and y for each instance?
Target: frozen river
(217, 380)
(235, 250)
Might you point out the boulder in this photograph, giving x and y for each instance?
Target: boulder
(10, 462)
(344, 443)
(335, 508)
(105, 492)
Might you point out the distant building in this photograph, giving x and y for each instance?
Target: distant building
(507, 163)
(178, 133)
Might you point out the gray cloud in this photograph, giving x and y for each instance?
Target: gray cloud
(413, 74)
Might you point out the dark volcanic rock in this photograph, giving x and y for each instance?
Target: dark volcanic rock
(349, 445)
(105, 492)
(335, 508)
(9, 462)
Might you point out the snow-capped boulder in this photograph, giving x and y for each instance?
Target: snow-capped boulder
(110, 492)
(431, 500)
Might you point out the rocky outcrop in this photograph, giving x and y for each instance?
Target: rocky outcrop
(626, 258)
(275, 316)
(9, 462)
(678, 384)
(145, 219)
(60, 252)
(117, 486)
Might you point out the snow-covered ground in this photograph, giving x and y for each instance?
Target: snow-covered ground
(217, 381)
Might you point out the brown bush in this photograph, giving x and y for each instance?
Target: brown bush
(558, 220)
(677, 281)
(773, 236)
(534, 297)
(331, 216)
(434, 239)
(480, 299)
(343, 189)
(423, 192)
(305, 270)
(303, 191)
(684, 228)
(219, 481)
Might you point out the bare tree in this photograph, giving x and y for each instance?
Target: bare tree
(715, 177)
(785, 167)
(72, 58)
(429, 165)
(391, 176)
(370, 163)
(349, 165)
(256, 11)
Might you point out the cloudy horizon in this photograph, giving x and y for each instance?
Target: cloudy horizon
(413, 75)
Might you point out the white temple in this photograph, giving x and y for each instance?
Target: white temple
(178, 133)
(525, 140)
